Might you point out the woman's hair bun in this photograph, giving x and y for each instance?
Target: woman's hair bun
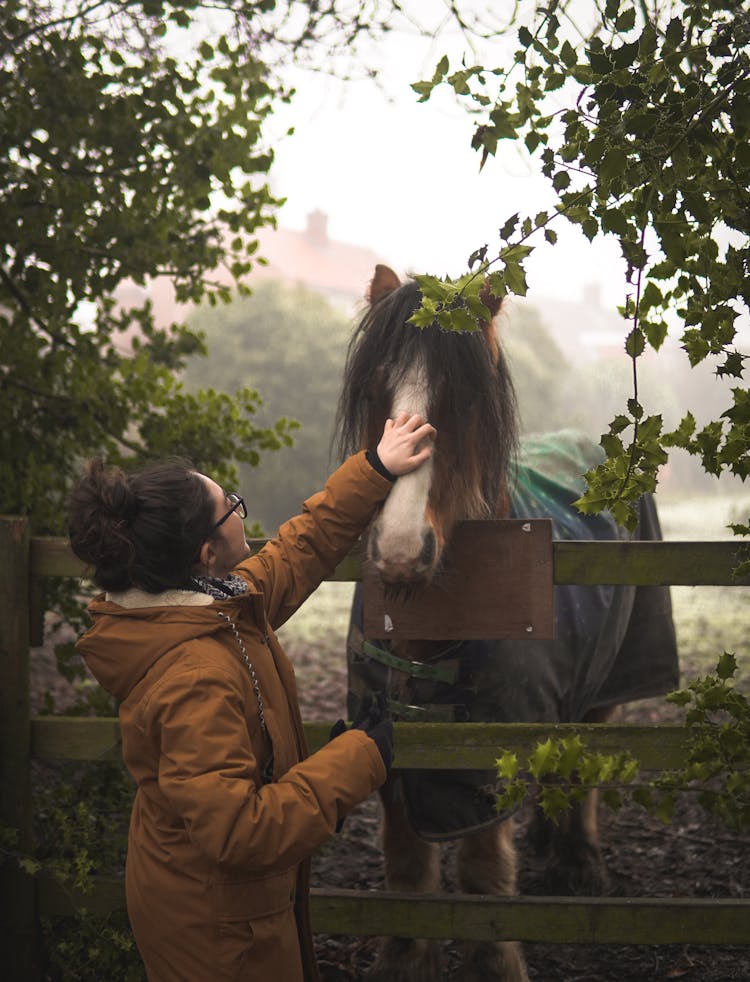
(109, 488)
(101, 507)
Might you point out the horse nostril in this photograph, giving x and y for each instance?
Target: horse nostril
(429, 544)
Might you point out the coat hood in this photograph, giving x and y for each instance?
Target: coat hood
(132, 630)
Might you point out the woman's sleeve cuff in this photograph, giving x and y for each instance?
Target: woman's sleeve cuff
(378, 465)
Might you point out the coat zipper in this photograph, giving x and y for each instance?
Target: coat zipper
(249, 665)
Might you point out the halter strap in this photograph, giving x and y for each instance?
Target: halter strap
(447, 671)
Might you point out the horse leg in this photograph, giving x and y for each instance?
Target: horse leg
(412, 865)
(487, 864)
(576, 865)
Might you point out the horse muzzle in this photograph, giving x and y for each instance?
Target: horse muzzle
(403, 564)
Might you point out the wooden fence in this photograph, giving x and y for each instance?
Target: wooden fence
(24, 561)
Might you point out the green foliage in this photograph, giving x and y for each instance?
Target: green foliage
(718, 764)
(562, 772)
(641, 125)
(80, 820)
(452, 305)
(89, 947)
(118, 163)
(716, 768)
(632, 468)
(80, 830)
(290, 343)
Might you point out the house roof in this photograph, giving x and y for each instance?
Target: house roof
(341, 270)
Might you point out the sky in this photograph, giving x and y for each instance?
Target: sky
(400, 176)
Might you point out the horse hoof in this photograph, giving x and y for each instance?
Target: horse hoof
(494, 962)
(406, 960)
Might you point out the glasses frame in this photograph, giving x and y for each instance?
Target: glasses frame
(238, 505)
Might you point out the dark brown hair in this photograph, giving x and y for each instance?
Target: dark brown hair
(142, 529)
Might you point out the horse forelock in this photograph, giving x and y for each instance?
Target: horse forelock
(380, 353)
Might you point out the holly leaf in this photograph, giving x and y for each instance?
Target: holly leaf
(553, 801)
(544, 758)
(507, 765)
(727, 666)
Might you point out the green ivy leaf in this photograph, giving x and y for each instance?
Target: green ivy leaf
(665, 807)
(507, 766)
(30, 866)
(568, 54)
(679, 698)
(635, 343)
(509, 227)
(544, 758)
(553, 801)
(727, 666)
(571, 751)
(613, 164)
(425, 315)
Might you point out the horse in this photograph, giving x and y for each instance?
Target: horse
(612, 643)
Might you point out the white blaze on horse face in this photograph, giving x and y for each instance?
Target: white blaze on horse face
(401, 530)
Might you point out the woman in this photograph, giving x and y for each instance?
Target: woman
(229, 807)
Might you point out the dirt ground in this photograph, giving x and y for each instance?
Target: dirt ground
(694, 857)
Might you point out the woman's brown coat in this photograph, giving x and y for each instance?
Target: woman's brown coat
(218, 856)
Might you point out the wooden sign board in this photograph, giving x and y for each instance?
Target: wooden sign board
(496, 582)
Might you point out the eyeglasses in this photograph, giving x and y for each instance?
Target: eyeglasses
(237, 503)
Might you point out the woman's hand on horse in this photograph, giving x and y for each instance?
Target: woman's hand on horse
(406, 443)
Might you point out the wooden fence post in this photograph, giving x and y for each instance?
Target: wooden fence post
(20, 951)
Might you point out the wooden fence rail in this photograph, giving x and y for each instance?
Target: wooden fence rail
(25, 560)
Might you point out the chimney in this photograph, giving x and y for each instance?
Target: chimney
(317, 229)
(592, 295)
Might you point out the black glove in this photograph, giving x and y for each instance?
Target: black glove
(382, 734)
(337, 729)
(372, 719)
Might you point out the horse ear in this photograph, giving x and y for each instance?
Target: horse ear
(491, 302)
(383, 282)
(490, 330)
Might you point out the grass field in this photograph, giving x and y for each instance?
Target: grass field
(708, 620)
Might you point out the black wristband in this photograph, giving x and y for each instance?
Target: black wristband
(378, 465)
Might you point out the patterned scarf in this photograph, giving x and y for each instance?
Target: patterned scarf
(217, 588)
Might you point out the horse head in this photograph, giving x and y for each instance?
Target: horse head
(461, 384)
